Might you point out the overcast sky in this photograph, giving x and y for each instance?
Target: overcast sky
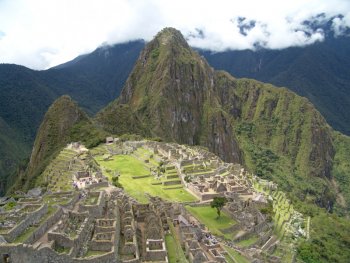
(43, 33)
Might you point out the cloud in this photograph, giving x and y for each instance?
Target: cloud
(2, 34)
(41, 33)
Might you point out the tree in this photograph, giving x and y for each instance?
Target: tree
(218, 203)
(187, 178)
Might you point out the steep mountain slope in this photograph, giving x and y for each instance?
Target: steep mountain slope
(64, 122)
(173, 93)
(169, 92)
(320, 72)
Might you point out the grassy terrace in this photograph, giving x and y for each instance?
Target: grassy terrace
(129, 167)
(56, 176)
(207, 215)
(238, 258)
(175, 253)
(172, 241)
(247, 242)
(30, 230)
(94, 253)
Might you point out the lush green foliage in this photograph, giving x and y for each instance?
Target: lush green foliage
(218, 203)
(329, 240)
(341, 171)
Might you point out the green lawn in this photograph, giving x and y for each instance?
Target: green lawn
(129, 166)
(236, 255)
(247, 242)
(208, 216)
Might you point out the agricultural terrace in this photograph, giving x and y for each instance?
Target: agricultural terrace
(136, 179)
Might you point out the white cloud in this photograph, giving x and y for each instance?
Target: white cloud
(43, 33)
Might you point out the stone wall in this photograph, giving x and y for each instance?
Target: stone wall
(175, 182)
(97, 185)
(72, 202)
(40, 231)
(76, 242)
(101, 245)
(31, 219)
(94, 210)
(27, 254)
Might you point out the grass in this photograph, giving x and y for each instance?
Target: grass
(129, 166)
(62, 250)
(207, 215)
(173, 244)
(30, 230)
(175, 253)
(247, 242)
(92, 200)
(93, 253)
(25, 235)
(238, 258)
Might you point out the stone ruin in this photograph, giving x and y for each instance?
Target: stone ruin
(100, 223)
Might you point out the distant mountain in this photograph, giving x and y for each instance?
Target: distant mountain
(93, 80)
(320, 72)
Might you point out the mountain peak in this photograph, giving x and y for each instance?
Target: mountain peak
(170, 35)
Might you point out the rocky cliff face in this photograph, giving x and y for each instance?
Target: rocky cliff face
(173, 93)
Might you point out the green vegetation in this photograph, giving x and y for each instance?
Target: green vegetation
(238, 258)
(62, 250)
(25, 235)
(130, 167)
(329, 239)
(27, 94)
(206, 215)
(218, 203)
(247, 242)
(29, 231)
(341, 172)
(319, 72)
(175, 252)
(94, 253)
(54, 133)
(10, 205)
